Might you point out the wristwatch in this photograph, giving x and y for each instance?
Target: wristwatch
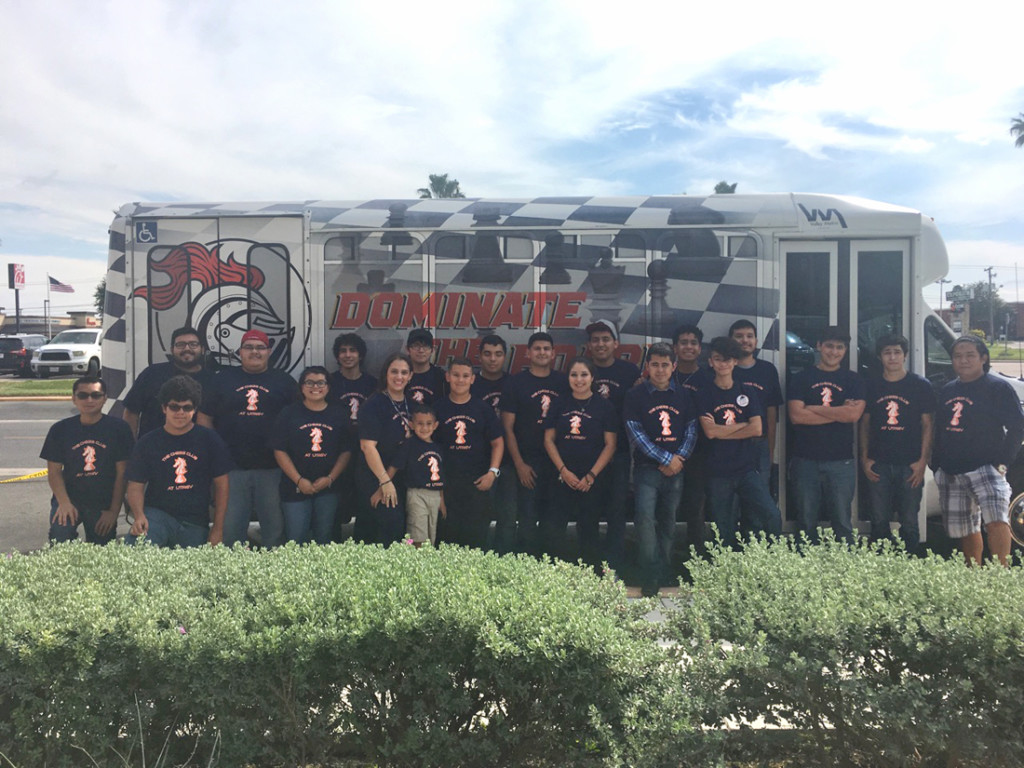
(496, 471)
(1001, 469)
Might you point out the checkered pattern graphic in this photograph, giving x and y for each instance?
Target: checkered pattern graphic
(669, 267)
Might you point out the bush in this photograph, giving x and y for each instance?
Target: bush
(861, 656)
(322, 654)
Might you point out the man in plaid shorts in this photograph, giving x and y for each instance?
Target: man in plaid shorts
(979, 427)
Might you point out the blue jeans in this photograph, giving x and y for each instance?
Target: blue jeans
(87, 518)
(657, 498)
(823, 487)
(744, 495)
(168, 531)
(892, 498)
(254, 489)
(311, 515)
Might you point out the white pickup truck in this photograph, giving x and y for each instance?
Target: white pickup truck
(76, 350)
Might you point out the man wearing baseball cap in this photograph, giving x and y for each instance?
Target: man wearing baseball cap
(242, 404)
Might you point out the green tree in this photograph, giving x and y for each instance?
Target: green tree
(441, 187)
(99, 296)
(980, 308)
(725, 188)
(1017, 129)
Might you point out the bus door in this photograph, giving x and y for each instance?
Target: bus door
(221, 275)
(860, 285)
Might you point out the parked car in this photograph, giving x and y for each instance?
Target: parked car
(76, 350)
(16, 352)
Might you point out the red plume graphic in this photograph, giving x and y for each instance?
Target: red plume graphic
(192, 261)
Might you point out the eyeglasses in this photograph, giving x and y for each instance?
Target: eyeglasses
(176, 407)
(314, 384)
(187, 345)
(254, 348)
(90, 395)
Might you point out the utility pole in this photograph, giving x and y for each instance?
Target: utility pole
(991, 321)
(941, 281)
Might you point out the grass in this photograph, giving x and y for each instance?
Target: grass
(35, 387)
(999, 353)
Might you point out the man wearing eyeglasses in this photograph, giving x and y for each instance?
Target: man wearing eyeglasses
(86, 456)
(242, 404)
(141, 405)
(173, 471)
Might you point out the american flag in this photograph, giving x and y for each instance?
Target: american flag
(58, 287)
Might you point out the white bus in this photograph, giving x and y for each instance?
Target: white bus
(306, 272)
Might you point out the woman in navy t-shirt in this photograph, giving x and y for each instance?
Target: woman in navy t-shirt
(384, 424)
(312, 445)
(579, 437)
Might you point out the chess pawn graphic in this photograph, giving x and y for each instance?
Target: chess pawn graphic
(605, 279)
(554, 261)
(486, 264)
(695, 253)
(661, 315)
(396, 220)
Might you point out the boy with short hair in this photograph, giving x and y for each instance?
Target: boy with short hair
(759, 375)
(896, 442)
(420, 459)
(731, 417)
(824, 404)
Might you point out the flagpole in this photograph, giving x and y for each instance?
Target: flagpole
(49, 330)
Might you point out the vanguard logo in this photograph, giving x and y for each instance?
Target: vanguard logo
(826, 217)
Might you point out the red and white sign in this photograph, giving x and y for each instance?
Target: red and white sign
(16, 276)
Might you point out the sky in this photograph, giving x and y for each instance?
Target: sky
(106, 103)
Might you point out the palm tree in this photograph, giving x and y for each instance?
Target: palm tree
(441, 187)
(725, 188)
(1017, 129)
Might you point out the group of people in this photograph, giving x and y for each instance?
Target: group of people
(437, 454)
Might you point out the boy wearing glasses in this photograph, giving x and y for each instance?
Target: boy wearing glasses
(173, 471)
(242, 404)
(141, 404)
(86, 457)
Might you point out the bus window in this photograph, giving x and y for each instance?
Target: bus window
(880, 298)
(340, 249)
(938, 363)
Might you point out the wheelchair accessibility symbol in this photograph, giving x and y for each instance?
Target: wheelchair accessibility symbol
(145, 232)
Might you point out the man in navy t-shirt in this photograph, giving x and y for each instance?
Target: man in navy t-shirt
(526, 402)
(824, 404)
(896, 442)
(86, 457)
(613, 378)
(242, 405)
(173, 471)
(427, 384)
(487, 385)
(687, 341)
(759, 375)
(731, 416)
(142, 404)
(978, 431)
(472, 439)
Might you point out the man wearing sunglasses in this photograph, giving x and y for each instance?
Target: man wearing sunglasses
(141, 405)
(173, 471)
(86, 456)
(242, 404)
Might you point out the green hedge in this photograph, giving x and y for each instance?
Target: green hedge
(318, 655)
(858, 656)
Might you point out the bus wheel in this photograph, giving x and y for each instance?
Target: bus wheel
(1017, 520)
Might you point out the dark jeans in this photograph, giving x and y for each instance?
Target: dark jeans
(469, 512)
(657, 498)
(746, 497)
(504, 494)
(586, 507)
(532, 505)
(892, 498)
(165, 530)
(615, 494)
(87, 518)
(693, 502)
(823, 487)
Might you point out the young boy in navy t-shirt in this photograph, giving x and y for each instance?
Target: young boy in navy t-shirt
(420, 459)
